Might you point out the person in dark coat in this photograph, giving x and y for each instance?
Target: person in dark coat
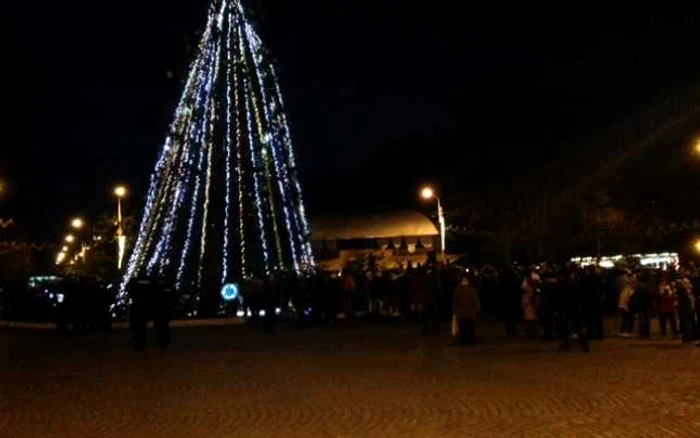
(269, 304)
(105, 298)
(64, 302)
(512, 298)
(161, 307)
(593, 303)
(139, 291)
(433, 292)
(686, 309)
(570, 310)
(547, 305)
(465, 306)
(644, 301)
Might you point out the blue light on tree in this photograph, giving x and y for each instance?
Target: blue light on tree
(229, 292)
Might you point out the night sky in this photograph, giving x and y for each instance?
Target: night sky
(381, 95)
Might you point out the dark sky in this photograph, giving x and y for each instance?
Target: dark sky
(382, 95)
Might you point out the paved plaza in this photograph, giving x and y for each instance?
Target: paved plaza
(374, 381)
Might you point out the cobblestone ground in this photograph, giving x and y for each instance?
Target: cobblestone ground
(369, 382)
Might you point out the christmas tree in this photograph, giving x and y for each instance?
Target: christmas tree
(224, 202)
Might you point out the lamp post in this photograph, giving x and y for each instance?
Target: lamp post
(120, 192)
(78, 224)
(428, 193)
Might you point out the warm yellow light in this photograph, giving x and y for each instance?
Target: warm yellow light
(77, 223)
(697, 245)
(427, 193)
(121, 242)
(64, 249)
(70, 238)
(120, 191)
(697, 146)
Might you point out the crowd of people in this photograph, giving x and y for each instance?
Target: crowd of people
(547, 302)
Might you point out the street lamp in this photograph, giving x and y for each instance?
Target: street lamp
(428, 193)
(697, 146)
(120, 192)
(697, 245)
(77, 223)
(70, 238)
(60, 257)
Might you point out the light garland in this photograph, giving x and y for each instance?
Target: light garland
(224, 186)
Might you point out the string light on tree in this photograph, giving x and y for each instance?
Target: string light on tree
(224, 202)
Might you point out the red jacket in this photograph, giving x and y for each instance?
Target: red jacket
(667, 299)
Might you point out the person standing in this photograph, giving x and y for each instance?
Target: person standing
(466, 306)
(162, 302)
(269, 304)
(667, 304)
(512, 297)
(530, 287)
(623, 304)
(547, 306)
(694, 286)
(138, 290)
(644, 303)
(571, 311)
(593, 303)
(433, 291)
(686, 309)
(349, 293)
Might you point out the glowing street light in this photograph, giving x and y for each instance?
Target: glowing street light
(697, 245)
(77, 223)
(64, 249)
(428, 193)
(120, 192)
(70, 238)
(697, 146)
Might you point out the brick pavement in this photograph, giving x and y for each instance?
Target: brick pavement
(371, 382)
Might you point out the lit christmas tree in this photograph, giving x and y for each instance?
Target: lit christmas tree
(224, 203)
